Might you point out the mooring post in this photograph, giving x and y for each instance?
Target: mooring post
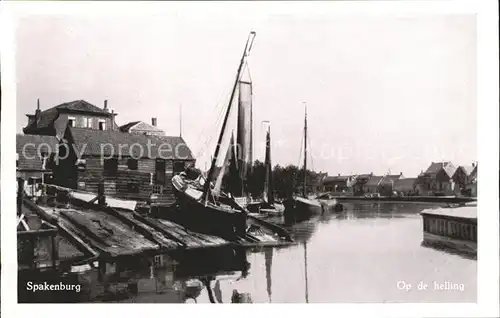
(20, 194)
(55, 253)
(100, 193)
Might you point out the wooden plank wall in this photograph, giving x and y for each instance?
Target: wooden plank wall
(118, 185)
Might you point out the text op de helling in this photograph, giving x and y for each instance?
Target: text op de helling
(34, 287)
(443, 286)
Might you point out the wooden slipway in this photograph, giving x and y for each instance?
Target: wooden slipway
(116, 230)
(102, 232)
(188, 239)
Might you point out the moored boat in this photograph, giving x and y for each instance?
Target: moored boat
(202, 205)
(452, 229)
(301, 208)
(268, 204)
(215, 205)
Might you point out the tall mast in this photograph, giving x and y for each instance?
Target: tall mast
(270, 186)
(248, 47)
(304, 192)
(180, 120)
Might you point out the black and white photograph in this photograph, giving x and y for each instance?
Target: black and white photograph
(246, 152)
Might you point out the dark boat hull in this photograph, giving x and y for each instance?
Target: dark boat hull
(266, 208)
(301, 209)
(207, 218)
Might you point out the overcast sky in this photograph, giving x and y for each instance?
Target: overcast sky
(383, 92)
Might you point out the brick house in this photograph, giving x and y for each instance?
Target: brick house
(79, 113)
(461, 177)
(437, 179)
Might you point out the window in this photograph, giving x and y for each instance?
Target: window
(102, 124)
(178, 166)
(17, 160)
(132, 164)
(88, 122)
(111, 166)
(71, 121)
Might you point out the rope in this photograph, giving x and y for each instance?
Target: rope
(312, 162)
(300, 152)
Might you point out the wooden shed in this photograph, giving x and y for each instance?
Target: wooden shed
(132, 166)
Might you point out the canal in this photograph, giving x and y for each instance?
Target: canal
(370, 252)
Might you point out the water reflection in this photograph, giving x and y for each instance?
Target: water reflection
(357, 255)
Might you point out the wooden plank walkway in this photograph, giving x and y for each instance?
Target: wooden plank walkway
(103, 232)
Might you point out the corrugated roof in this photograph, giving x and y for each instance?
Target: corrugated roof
(30, 148)
(117, 143)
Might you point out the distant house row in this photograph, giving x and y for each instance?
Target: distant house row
(440, 178)
(135, 160)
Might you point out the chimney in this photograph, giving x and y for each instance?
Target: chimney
(106, 109)
(112, 126)
(37, 111)
(154, 121)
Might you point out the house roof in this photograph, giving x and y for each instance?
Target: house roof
(48, 116)
(139, 125)
(405, 182)
(331, 179)
(81, 106)
(435, 167)
(29, 148)
(391, 178)
(117, 143)
(468, 169)
(126, 127)
(374, 181)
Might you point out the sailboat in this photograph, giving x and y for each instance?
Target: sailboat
(301, 208)
(204, 206)
(268, 205)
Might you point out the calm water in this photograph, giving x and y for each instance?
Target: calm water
(359, 255)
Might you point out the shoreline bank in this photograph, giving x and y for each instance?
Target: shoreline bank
(420, 199)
